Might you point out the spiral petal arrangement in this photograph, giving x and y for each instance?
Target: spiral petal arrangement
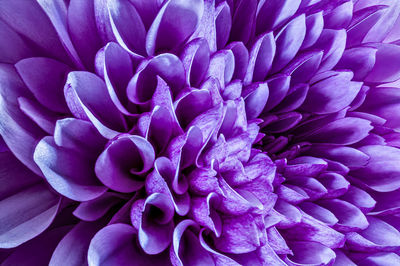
(200, 132)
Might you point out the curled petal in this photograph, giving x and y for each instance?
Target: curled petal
(360, 60)
(243, 20)
(156, 226)
(116, 245)
(223, 24)
(195, 58)
(386, 68)
(68, 171)
(125, 158)
(192, 252)
(127, 26)
(13, 48)
(314, 25)
(87, 98)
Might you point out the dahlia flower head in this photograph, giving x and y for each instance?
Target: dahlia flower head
(199, 132)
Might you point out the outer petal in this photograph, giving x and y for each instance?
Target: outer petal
(45, 78)
(12, 47)
(174, 23)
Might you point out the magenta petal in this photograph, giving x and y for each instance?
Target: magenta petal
(331, 94)
(223, 24)
(314, 25)
(261, 56)
(72, 249)
(116, 245)
(288, 42)
(87, 98)
(56, 10)
(333, 43)
(349, 216)
(360, 60)
(118, 70)
(386, 68)
(186, 248)
(67, 171)
(310, 253)
(14, 124)
(123, 160)
(348, 130)
(256, 96)
(39, 250)
(195, 58)
(166, 32)
(45, 78)
(39, 207)
(93, 210)
(273, 13)
(243, 20)
(381, 172)
(12, 48)
(127, 26)
(156, 226)
(83, 31)
(32, 23)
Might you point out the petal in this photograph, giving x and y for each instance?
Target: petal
(360, 60)
(381, 258)
(14, 124)
(256, 96)
(39, 250)
(381, 172)
(143, 85)
(45, 78)
(83, 30)
(87, 98)
(243, 20)
(310, 253)
(67, 171)
(156, 227)
(349, 216)
(314, 26)
(56, 10)
(116, 245)
(195, 58)
(241, 56)
(239, 235)
(278, 88)
(351, 157)
(333, 43)
(332, 94)
(386, 68)
(304, 67)
(166, 31)
(127, 26)
(294, 99)
(344, 131)
(26, 214)
(147, 10)
(222, 66)
(123, 160)
(118, 70)
(93, 210)
(261, 56)
(359, 198)
(12, 48)
(72, 249)
(312, 230)
(273, 13)
(32, 23)
(223, 24)
(288, 42)
(186, 248)
(340, 16)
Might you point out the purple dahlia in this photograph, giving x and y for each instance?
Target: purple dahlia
(190, 132)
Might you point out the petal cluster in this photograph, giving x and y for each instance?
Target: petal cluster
(199, 132)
